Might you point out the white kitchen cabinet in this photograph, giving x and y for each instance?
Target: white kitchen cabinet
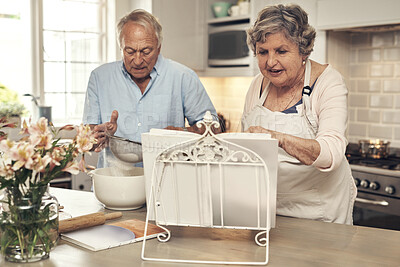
(184, 33)
(341, 14)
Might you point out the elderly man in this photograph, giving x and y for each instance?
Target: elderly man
(144, 90)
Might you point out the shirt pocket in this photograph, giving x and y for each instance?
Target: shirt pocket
(158, 113)
(306, 204)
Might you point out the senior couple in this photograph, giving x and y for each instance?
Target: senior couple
(301, 103)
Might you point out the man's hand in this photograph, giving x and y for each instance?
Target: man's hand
(193, 129)
(102, 131)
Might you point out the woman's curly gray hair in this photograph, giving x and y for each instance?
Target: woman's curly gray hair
(143, 18)
(290, 19)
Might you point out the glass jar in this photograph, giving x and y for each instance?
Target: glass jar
(28, 223)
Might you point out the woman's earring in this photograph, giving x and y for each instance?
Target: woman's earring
(304, 62)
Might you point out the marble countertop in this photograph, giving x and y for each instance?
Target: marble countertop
(294, 242)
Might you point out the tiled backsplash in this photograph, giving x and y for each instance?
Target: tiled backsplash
(370, 63)
(228, 95)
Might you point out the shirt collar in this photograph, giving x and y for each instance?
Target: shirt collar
(155, 71)
(159, 64)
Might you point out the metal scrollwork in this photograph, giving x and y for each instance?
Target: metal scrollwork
(261, 241)
(208, 148)
(164, 237)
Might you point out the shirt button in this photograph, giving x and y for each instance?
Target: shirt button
(139, 124)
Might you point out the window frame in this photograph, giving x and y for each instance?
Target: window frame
(106, 44)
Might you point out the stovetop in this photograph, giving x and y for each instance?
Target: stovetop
(353, 155)
(391, 162)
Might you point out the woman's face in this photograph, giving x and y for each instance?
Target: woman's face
(279, 60)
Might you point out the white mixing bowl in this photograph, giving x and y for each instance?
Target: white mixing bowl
(119, 189)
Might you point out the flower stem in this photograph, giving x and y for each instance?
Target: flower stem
(32, 246)
(21, 242)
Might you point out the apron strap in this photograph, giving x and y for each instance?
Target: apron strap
(307, 90)
(263, 96)
(307, 74)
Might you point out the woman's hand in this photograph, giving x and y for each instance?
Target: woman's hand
(102, 131)
(259, 129)
(305, 150)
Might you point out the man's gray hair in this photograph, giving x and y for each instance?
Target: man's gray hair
(144, 18)
(290, 19)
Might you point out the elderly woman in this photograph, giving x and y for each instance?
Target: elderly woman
(302, 104)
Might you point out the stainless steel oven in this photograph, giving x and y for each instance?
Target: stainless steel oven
(378, 198)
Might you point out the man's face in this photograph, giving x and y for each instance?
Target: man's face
(139, 50)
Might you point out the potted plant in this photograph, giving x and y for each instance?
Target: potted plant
(10, 105)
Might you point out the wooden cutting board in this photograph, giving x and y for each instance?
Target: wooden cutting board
(137, 227)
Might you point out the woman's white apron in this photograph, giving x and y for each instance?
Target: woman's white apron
(305, 191)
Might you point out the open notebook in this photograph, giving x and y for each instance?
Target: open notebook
(111, 235)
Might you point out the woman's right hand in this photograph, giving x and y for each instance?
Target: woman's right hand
(259, 129)
(305, 150)
(102, 131)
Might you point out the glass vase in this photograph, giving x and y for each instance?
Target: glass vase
(28, 223)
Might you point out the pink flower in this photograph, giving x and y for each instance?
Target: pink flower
(82, 164)
(68, 127)
(40, 135)
(24, 129)
(72, 167)
(84, 138)
(57, 155)
(39, 163)
(22, 153)
(6, 145)
(6, 171)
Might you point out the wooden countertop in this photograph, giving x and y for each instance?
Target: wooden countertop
(294, 242)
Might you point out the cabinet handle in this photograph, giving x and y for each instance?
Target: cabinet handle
(373, 202)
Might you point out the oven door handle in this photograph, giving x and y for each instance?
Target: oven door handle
(373, 202)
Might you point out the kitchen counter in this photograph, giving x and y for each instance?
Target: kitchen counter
(294, 242)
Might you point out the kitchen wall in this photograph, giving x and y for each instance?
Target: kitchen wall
(370, 63)
(228, 95)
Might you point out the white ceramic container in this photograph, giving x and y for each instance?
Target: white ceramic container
(119, 189)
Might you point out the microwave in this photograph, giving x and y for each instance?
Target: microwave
(227, 46)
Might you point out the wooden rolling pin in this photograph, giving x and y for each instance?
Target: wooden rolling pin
(86, 221)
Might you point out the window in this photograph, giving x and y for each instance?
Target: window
(73, 45)
(15, 47)
(48, 49)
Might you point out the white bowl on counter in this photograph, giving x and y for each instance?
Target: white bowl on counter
(119, 189)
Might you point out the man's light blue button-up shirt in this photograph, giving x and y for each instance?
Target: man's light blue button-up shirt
(173, 94)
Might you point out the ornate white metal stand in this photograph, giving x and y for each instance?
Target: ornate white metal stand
(208, 156)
